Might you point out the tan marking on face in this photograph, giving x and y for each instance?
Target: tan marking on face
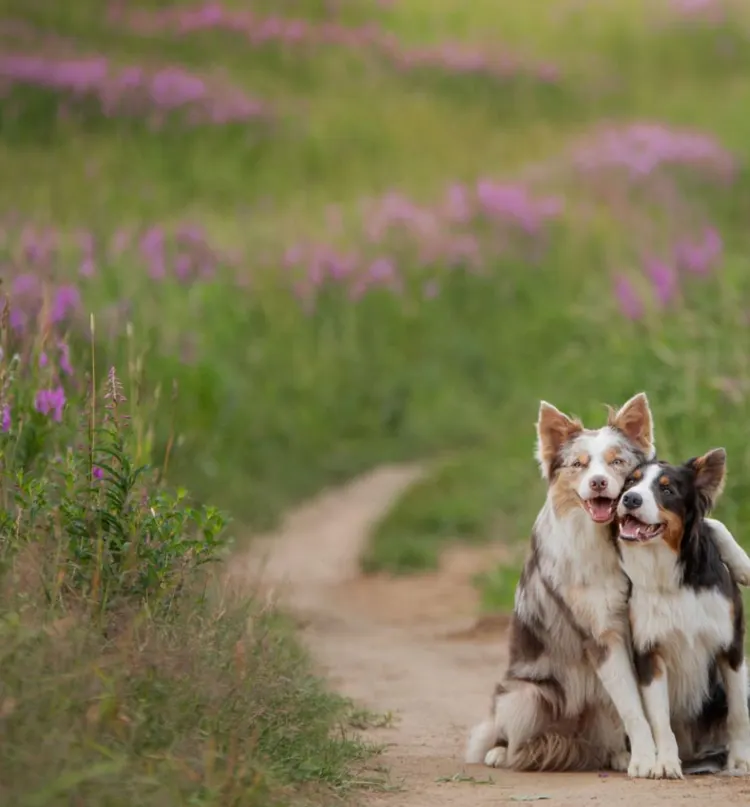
(638, 474)
(563, 491)
(664, 480)
(672, 535)
(611, 454)
(584, 459)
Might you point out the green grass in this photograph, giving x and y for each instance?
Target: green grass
(199, 711)
(276, 403)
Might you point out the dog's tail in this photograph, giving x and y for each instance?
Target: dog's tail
(559, 752)
(483, 737)
(548, 752)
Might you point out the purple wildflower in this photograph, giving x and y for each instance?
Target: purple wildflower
(431, 289)
(43, 359)
(51, 402)
(65, 364)
(5, 419)
(87, 267)
(628, 298)
(97, 472)
(664, 279)
(698, 258)
(67, 299)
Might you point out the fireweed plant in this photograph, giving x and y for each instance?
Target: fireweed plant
(73, 469)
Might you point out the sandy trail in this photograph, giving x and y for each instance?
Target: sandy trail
(413, 647)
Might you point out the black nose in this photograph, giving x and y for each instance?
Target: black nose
(632, 500)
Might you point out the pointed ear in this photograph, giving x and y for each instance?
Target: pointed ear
(710, 474)
(553, 430)
(634, 420)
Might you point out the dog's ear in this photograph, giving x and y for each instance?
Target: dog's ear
(710, 472)
(634, 420)
(553, 430)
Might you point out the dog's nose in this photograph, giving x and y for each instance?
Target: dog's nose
(598, 483)
(632, 500)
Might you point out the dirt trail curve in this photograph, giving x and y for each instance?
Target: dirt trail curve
(413, 647)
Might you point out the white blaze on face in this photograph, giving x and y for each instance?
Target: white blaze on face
(603, 459)
(640, 516)
(606, 464)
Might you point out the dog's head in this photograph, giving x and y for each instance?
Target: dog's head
(660, 500)
(588, 467)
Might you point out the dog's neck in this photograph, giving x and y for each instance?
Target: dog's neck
(573, 537)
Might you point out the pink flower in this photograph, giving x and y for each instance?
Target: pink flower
(51, 402)
(5, 420)
(628, 298)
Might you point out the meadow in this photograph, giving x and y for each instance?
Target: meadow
(316, 236)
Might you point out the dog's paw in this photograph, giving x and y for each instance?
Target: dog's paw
(668, 766)
(620, 761)
(739, 758)
(642, 765)
(496, 757)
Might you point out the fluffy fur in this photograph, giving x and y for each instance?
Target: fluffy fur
(686, 613)
(570, 695)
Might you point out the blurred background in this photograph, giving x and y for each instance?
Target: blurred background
(324, 235)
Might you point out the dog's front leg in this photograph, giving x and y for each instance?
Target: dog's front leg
(614, 668)
(733, 555)
(652, 677)
(738, 719)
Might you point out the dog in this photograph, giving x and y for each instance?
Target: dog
(569, 698)
(686, 613)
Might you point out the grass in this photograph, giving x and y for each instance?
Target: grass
(142, 719)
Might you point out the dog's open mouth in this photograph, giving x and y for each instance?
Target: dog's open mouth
(631, 529)
(601, 509)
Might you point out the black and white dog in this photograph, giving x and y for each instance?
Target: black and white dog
(686, 612)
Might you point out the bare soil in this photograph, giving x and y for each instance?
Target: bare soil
(413, 647)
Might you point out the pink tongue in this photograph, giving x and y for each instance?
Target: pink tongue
(601, 509)
(630, 529)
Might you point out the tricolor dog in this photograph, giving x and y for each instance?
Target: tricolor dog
(569, 696)
(686, 612)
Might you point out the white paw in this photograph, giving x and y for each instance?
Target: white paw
(620, 761)
(496, 757)
(741, 576)
(668, 766)
(739, 757)
(642, 765)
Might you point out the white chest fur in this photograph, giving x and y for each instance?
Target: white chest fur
(689, 627)
(581, 562)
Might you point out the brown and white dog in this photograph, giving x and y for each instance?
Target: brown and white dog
(686, 613)
(569, 696)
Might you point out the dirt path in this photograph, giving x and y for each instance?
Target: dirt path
(413, 647)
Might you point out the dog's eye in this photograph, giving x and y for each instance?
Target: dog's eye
(577, 464)
(617, 461)
(666, 490)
